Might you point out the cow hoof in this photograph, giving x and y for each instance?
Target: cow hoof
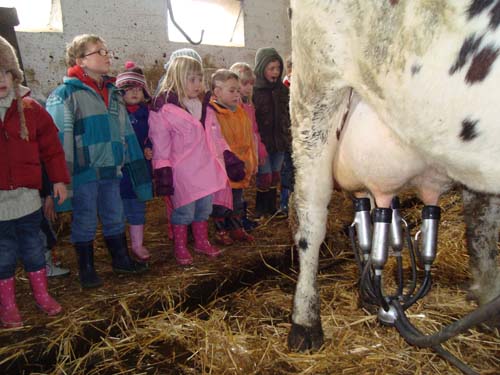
(303, 338)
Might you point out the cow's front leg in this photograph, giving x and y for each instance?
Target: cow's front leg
(313, 148)
(482, 218)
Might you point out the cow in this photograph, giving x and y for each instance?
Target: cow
(428, 69)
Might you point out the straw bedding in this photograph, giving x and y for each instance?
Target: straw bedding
(232, 315)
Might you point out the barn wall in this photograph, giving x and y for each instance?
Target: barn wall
(137, 30)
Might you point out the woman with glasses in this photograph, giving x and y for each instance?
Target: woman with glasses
(98, 141)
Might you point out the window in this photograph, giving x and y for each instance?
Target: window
(36, 15)
(221, 20)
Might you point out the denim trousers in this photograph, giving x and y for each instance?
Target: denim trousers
(287, 172)
(135, 211)
(199, 210)
(97, 199)
(272, 163)
(20, 238)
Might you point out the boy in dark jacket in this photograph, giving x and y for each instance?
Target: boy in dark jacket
(270, 99)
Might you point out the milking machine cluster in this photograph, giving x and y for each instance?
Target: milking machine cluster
(375, 236)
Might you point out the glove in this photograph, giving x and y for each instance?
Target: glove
(235, 168)
(164, 182)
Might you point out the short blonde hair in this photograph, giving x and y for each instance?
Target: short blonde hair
(177, 75)
(78, 46)
(222, 76)
(244, 71)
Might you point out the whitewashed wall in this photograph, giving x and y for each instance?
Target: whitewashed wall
(137, 30)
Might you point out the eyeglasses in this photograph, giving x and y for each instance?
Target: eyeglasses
(102, 52)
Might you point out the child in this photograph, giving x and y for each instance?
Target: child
(270, 99)
(247, 80)
(158, 101)
(288, 78)
(29, 138)
(136, 95)
(185, 165)
(98, 141)
(177, 53)
(47, 234)
(237, 130)
(287, 169)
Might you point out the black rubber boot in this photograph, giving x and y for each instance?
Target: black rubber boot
(121, 260)
(248, 224)
(85, 254)
(271, 201)
(261, 203)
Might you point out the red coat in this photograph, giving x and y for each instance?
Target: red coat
(20, 160)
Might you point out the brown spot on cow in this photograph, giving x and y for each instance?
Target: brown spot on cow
(481, 65)
(469, 131)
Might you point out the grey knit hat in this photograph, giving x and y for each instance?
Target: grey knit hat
(9, 63)
(184, 52)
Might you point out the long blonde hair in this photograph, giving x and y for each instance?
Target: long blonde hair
(177, 75)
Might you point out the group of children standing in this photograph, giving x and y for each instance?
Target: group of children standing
(108, 140)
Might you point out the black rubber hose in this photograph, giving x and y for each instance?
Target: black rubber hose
(403, 330)
(413, 262)
(354, 246)
(377, 284)
(424, 289)
(478, 316)
(400, 279)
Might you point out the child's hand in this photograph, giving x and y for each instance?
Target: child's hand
(48, 209)
(60, 192)
(148, 153)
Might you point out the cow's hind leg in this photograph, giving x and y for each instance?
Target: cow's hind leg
(482, 219)
(313, 147)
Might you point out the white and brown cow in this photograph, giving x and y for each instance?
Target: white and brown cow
(428, 70)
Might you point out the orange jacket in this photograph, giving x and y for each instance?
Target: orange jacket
(237, 130)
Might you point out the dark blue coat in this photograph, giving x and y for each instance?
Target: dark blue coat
(139, 121)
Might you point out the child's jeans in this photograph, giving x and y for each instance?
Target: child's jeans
(272, 163)
(21, 237)
(95, 198)
(198, 210)
(287, 172)
(135, 211)
(269, 173)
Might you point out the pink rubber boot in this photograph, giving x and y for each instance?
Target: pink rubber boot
(137, 237)
(201, 243)
(9, 313)
(181, 251)
(38, 281)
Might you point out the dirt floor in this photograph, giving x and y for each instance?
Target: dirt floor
(231, 315)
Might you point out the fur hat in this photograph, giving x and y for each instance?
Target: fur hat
(8, 60)
(133, 76)
(10, 63)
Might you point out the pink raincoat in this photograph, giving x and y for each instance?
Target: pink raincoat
(180, 141)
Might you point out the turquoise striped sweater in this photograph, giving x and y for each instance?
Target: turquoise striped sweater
(97, 140)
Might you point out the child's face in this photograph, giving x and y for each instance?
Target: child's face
(194, 85)
(246, 88)
(94, 61)
(133, 95)
(228, 93)
(6, 83)
(272, 71)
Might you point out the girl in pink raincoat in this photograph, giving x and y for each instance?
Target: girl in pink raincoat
(186, 161)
